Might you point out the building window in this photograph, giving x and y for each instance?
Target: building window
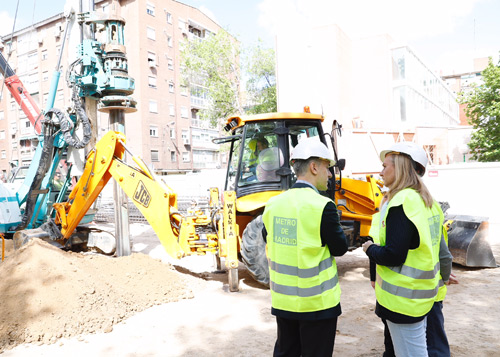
(169, 17)
(170, 64)
(2, 135)
(184, 90)
(173, 156)
(153, 131)
(170, 41)
(171, 110)
(172, 133)
(153, 106)
(150, 9)
(151, 59)
(171, 87)
(45, 55)
(185, 137)
(33, 60)
(185, 157)
(45, 76)
(155, 156)
(31, 82)
(2, 115)
(197, 32)
(151, 33)
(152, 82)
(184, 112)
(4, 154)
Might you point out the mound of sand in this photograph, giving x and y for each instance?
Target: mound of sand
(47, 293)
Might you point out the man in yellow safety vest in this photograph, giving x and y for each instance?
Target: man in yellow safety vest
(303, 234)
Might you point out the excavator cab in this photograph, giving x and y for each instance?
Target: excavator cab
(258, 165)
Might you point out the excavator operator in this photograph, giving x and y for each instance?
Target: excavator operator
(255, 146)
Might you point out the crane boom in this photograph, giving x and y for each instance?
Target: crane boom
(21, 95)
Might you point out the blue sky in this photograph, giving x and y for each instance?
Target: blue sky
(445, 34)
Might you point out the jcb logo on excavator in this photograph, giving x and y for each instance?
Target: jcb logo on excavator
(142, 195)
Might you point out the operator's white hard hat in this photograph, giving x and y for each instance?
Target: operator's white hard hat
(311, 147)
(413, 150)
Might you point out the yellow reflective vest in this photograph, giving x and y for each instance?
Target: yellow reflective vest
(303, 273)
(411, 288)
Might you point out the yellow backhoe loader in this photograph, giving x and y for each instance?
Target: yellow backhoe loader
(258, 169)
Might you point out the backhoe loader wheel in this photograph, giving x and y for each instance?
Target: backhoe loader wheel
(253, 251)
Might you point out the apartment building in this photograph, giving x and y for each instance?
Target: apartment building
(166, 130)
(33, 55)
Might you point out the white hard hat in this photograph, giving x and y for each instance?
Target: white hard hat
(311, 147)
(414, 151)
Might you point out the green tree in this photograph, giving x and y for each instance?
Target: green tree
(261, 83)
(483, 113)
(210, 66)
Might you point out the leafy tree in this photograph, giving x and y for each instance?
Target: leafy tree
(211, 68)
(261, 83)
(212, 63)
(483, 113)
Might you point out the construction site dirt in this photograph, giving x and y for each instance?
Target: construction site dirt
(56, 303)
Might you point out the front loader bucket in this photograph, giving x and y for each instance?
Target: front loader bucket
(468, 241)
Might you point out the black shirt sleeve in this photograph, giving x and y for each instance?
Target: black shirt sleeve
(373, 270)
(332, 234)
(401, 236)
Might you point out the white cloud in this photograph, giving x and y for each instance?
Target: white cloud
(208, 12)
(423, 22)
(403, 20)
(6, 23)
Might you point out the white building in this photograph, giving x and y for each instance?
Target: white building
(379, 91)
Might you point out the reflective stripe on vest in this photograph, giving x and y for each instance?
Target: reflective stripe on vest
(408, 293)
(305, 292)
(303, 273)
(416, 273)
(411, 289)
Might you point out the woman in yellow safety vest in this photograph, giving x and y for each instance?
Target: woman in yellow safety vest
(406, 249)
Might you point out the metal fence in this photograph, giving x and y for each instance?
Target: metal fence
(106, 208)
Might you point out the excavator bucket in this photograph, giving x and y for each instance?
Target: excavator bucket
(468, 241)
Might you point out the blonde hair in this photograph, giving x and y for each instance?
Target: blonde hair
(406, 177)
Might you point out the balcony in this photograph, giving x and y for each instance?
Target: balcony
(198, 102)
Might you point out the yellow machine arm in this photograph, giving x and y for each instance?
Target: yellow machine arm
(358, 200)
(180, 235)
